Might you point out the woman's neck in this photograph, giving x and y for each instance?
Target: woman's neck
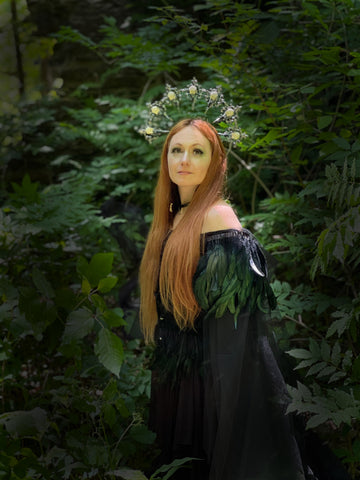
(186, 194)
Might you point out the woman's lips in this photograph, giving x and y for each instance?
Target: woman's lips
(184, 173)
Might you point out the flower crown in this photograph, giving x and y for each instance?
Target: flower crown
(187, 102)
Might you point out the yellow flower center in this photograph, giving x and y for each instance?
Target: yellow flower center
(229, 112)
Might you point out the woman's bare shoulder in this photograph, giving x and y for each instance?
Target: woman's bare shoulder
(220, 216)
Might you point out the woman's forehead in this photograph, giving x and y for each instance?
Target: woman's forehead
(189, 135)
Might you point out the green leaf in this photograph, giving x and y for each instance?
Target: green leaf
(79, 324)
(107, 284)
(339, 250)
(305, 363)
(316, 368)
(114, 317)
(27, 190)
(85, 286)
(109, 349)
(326, 371)
(324, 121)
(325, 351)
(353, 72)
(127, 474)
(171, 467)
(300, 353)
(99, 302)
(142, 434)
(43, 286)
(317, 420)
(336, 354)
(32, 423)
(314, 348)
(337, 376)
(342, 143)
(109, 413)
(99, 267)
(340, 325)
(304, 391)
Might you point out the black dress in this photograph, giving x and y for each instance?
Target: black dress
(217, 392)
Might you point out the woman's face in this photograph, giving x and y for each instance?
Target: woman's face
(189, 157)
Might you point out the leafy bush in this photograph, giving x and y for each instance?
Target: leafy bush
(294, 66)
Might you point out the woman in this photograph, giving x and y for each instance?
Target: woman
(217, 393)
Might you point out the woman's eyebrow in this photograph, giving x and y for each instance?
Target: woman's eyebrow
(192, 145)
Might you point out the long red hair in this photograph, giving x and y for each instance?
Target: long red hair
(180, 256)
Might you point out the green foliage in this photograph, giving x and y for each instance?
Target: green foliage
(166, 470)
(69, 370)
(72, 394)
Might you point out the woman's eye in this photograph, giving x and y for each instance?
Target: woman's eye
(197, 151)
(175, 150)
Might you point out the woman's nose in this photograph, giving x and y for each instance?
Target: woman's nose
(185, 157)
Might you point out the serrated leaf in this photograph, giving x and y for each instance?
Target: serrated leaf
(343, 399)
(305, 363)
(79, 324)
(336, 354)
(109, 349)
(345, 416)
(314, 348)
(317, 420)
(300, 353)
(326, 371)
(114, 317)
(316, 368)
(337, 376)
(338, 326)
(304, 391)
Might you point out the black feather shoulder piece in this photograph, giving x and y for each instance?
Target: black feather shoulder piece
(232, 275)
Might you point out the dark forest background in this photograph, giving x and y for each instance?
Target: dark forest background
(77, 184)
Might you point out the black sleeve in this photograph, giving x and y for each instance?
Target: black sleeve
(247, 434)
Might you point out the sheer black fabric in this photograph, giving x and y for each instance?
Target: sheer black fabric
(217, 391)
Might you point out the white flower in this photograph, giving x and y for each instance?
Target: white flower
(229, 112)
(171, 95)
(235, 135)
(213, 95)
(192, 89)
(155, 110)
(149, 131)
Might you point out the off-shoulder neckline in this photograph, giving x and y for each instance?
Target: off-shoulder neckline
(228, 232)
(225, 232)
